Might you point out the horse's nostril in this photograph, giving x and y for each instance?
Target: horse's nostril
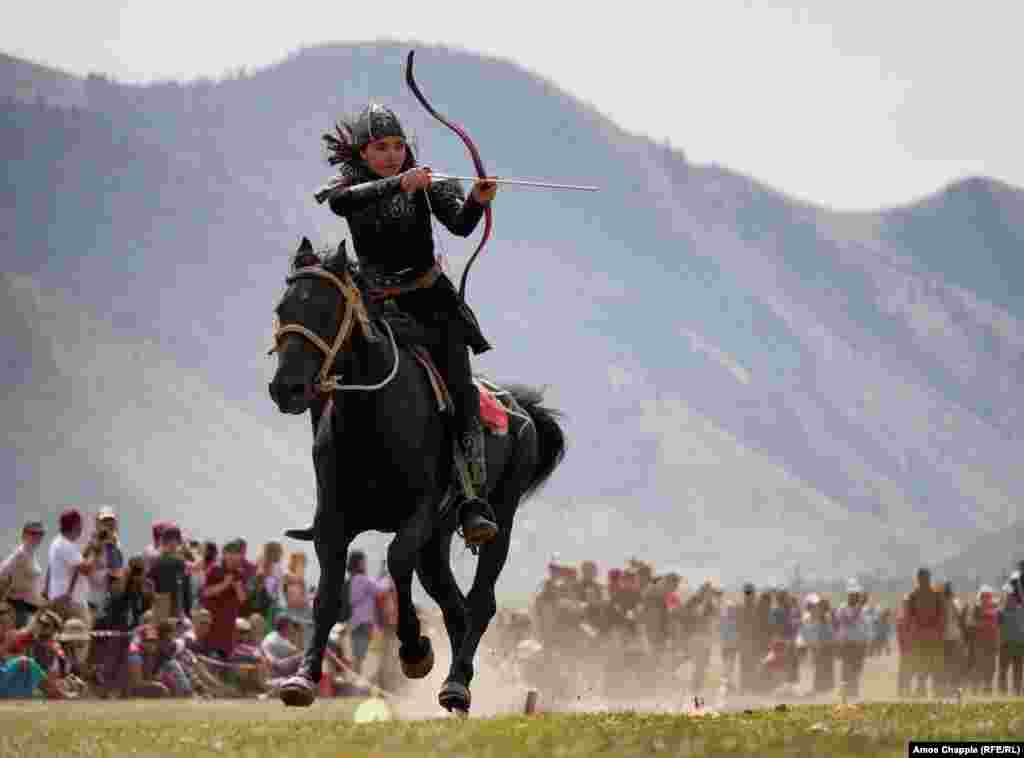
(296, 389)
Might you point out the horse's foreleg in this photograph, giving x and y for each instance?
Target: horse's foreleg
(415, 652)
(331, 541)
(482, 606)
(435, 573)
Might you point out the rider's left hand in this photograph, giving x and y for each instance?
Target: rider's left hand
(484, 191)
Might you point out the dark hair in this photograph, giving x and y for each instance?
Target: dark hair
(355, 558)
(70, 520)
(209, 552)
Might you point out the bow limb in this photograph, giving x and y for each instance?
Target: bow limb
(478, 163)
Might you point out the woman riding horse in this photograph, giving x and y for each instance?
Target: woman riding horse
(388, 202)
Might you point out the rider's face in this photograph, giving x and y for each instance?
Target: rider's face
(385, 156)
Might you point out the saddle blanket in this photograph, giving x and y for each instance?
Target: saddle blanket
(493, 414)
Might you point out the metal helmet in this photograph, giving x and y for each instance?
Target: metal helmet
(375, 122)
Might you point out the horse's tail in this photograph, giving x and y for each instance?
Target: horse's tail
(551, 442)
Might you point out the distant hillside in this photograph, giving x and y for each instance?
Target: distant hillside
(753, 382)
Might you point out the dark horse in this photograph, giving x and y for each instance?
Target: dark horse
(383, 458)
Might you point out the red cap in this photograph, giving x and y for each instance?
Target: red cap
(69, 519)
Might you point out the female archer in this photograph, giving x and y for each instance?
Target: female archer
(388, 201)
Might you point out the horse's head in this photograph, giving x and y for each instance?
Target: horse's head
(315, 321)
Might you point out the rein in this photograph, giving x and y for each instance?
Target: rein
(350, 296)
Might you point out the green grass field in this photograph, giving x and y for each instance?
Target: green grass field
(248, 728)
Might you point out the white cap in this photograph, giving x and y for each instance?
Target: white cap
(853, 586)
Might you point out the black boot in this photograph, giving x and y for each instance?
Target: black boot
(478, 521)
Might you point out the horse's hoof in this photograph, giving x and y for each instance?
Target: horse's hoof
(424, 665)
(303, 535)
(298, 691)
(455, 697)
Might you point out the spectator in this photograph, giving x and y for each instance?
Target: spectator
(123, 612)
(104, 549)
(151, 552)
(197, 639)
(76, 643)
(265, 593)
(853, 636)
(983, 642)
(153, 668)
(207, 560)
(225, 597)
(1011, 650)
(21, 569)
(281, 653)
(296, 597)
(19, 674)
(248, 567)
(250, 672)
(747, 624)
(954, 654)
(67, 587)
(169, 575)
(589, 589)
(819, 634)
(38, 641)
(925, 618)
(363, 593)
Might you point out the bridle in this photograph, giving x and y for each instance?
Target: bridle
(353, 309)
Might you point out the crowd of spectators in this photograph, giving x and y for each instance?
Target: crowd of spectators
(189, 618)
(640, 632)
(181, 617)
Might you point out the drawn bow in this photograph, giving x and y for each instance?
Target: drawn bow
(478, 164)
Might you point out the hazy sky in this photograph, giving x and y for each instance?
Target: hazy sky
(850, 104)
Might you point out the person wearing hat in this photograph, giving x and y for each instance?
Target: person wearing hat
(76, 641)
(38, 641)
(104, 548)
(25, 577)
(68, 570)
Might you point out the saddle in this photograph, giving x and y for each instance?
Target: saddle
(418, 338)
(493, 413)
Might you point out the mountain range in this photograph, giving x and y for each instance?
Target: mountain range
(751, 382)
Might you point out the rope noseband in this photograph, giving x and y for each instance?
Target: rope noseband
(356, 310)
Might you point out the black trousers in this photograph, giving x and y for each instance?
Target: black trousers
(437, 309)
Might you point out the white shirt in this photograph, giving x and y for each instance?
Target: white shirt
(64, 557)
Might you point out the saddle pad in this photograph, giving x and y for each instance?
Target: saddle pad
(493, 414)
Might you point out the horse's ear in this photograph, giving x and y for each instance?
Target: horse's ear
(305, 256)
(337, 262)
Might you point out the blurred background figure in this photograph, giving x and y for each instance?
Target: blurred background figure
(22, 572)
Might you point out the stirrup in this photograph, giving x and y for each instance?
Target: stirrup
(479, 527)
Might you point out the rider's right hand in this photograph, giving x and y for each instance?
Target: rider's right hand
(416, 178)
